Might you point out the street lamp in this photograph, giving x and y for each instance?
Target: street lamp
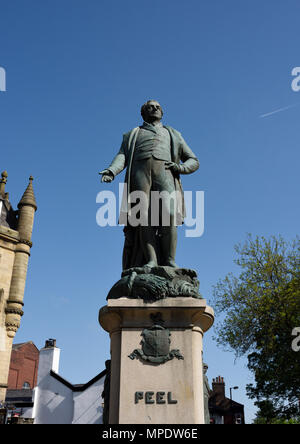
(232, 388)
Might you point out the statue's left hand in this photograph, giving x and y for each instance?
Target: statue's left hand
(174, 167)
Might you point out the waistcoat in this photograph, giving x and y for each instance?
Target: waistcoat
(153, 141)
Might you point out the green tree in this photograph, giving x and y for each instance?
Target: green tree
(267, 414)
(260, 308)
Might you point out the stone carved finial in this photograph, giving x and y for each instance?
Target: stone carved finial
(3, 181)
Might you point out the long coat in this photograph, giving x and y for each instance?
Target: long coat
(180, 152)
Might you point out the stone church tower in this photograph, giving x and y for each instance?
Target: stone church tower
(15, 244)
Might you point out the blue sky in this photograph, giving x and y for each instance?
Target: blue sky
(77, 74)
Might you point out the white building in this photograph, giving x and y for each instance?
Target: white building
(56, 401)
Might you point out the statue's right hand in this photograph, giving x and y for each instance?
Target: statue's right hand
(107, 176)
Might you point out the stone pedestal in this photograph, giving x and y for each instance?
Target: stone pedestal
(156, 359)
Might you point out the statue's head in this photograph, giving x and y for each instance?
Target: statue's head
(205, 367)
(151, 111)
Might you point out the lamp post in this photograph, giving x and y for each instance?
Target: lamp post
(232, 388)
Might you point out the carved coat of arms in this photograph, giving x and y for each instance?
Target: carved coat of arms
(156, 344)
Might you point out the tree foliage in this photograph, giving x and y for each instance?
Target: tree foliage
(267, 414)
(261, 307)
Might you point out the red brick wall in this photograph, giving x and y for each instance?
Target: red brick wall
(23, 366)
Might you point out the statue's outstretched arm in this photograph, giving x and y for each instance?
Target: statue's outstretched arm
(117, 165)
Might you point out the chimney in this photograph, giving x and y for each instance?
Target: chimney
(49, 359)
(218, 386)
(50, 343)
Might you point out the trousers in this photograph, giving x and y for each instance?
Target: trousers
(150, 175)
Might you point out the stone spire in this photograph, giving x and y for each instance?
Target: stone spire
(27, 207)
(16, 242)
(28, 197)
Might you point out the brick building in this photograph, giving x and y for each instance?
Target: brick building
(224, 410)
(23, 366)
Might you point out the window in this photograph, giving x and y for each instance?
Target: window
(26, 385)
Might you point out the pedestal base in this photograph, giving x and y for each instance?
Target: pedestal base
(156, 359)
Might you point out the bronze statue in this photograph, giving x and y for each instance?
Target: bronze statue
(155, 156)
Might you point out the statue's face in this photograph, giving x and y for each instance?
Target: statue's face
(153, 111)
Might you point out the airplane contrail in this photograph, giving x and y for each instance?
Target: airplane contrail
(279, 110)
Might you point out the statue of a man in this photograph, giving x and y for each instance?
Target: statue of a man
(206, 394)
(155, 155)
